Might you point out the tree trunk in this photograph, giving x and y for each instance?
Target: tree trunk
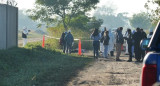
(64, 17)
(64, 24)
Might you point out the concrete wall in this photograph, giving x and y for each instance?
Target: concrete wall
(8, 26)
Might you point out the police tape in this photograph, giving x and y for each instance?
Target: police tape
(59, 38)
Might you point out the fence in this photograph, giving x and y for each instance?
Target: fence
(8, 26)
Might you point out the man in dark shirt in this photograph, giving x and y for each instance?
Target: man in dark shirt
(144, 36)
(137, 37)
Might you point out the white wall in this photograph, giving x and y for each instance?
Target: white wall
(8, 26)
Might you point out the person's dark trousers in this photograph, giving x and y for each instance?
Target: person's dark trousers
(137, 52)
(64, 48)
(130, 52)
(112, 53)
(68, 51)
(96, 47)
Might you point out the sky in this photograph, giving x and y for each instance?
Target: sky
(130, 6)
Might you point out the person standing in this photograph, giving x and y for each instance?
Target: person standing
(105, 40)
(63, 42)
(150, 33)
(126, 43)
(24, 35)
(119, 42)
(69, 41)
(137, 37)
(144, 36)
(129, 42)
(95, 37)
(111, 43)
(101, 43)
(133, 43)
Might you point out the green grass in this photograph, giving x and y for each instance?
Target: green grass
(38, 66)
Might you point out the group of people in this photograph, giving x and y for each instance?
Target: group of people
(107, 40)
(67, 41)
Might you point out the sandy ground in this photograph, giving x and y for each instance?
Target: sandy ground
(108, 72)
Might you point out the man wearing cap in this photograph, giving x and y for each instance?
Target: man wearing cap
(69, 41)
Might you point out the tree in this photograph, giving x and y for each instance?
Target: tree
(153, 7)
(79, 22)
(94, 23)
(60, 10)
(110, 19)
(141, 20)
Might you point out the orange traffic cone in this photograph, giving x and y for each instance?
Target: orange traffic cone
(43, 41)
(79, 48)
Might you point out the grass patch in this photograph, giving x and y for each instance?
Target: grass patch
(38, 66)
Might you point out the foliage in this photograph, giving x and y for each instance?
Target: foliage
(141, 20)
(110, 20)
(56, 31)
(50, 11)
(94, 23)
(153, 7)
(79, 22)
(37, 66)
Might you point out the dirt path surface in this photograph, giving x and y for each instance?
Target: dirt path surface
(108, 72)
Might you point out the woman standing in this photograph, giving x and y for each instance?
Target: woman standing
(105, 40)
(95, 37)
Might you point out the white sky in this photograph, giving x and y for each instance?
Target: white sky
(130, 6)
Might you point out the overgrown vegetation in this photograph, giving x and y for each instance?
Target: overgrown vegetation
(84, 35)
(38, 66)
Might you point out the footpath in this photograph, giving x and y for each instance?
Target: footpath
(108, 72)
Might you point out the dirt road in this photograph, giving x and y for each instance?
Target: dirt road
(108, 72)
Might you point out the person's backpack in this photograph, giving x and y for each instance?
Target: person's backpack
(62, 39)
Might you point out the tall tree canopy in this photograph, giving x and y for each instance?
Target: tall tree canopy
(62, 10)
(110, 19)
(153, 7)
(141, 20)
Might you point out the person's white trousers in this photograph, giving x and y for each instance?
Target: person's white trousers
(126, 48)
(101, 47)
(24, 41)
